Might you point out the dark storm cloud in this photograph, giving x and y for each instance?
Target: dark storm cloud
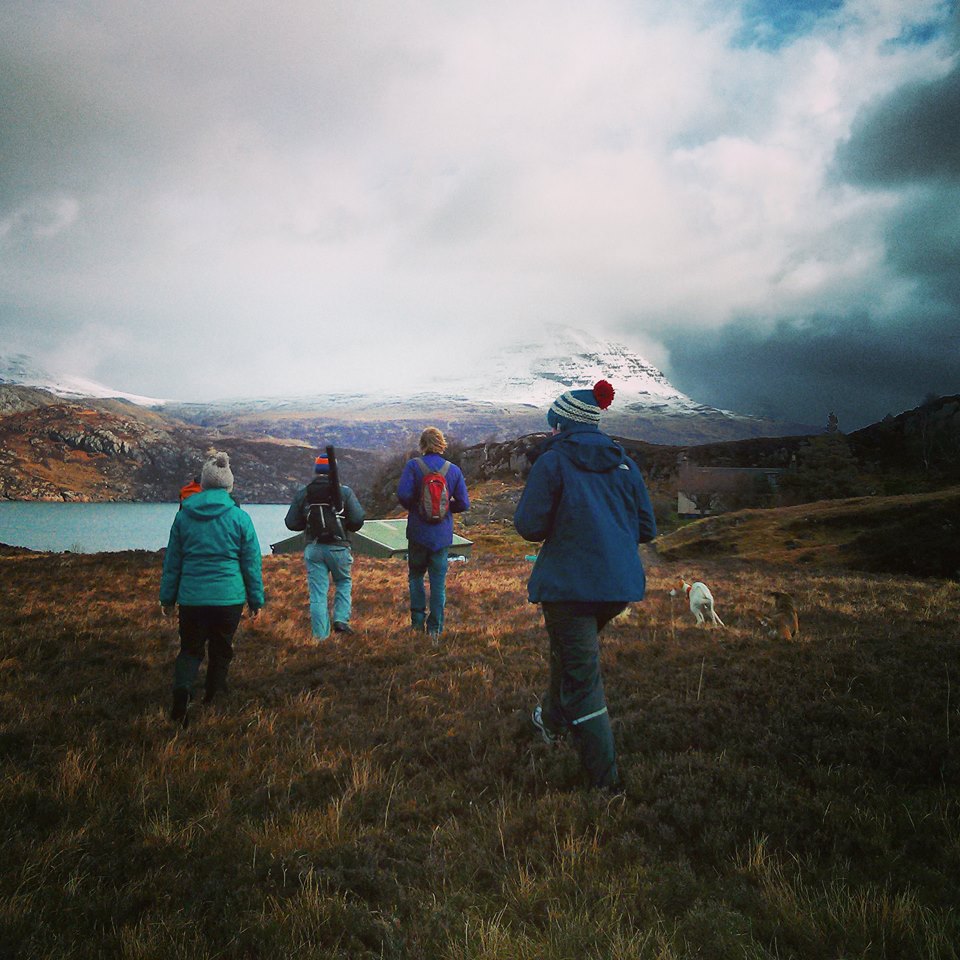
(850, 365)
(907, 145)
(912, 135)
(910, 143)
(923, 241)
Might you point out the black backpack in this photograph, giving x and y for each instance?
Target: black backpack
(324, 524)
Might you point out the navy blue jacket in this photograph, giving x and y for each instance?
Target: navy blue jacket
(433, 536)
(585, 498)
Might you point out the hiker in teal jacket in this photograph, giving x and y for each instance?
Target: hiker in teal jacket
(586, 500)
(211, 568)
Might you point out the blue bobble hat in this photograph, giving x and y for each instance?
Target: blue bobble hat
(580, 406)
(321, 465)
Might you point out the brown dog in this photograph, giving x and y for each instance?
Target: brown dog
(784, 623)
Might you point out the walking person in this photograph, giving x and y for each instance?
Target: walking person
(432, 489)
(326, 510)
(586, 500)
(211, 568)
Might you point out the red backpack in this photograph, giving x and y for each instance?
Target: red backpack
(433, 503)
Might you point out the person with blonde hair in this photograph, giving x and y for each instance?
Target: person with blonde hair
(432, 489)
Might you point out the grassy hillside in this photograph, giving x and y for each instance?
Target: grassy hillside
(916, 534)
(382, 797)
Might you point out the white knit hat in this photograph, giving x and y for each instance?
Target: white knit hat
(216, 474)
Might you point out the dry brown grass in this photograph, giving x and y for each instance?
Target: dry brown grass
(385, 797)
(866, 533)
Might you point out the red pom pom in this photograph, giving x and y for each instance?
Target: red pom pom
(604, 393)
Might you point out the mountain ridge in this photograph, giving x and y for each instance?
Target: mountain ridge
(502, 396)
(57, 449)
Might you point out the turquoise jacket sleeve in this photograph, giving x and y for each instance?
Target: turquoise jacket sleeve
(251, 564)
(172, 566)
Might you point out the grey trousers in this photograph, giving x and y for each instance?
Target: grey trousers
(575, 702)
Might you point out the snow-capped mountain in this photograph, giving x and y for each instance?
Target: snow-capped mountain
(503, 395)
(535, 372)
(20, 370)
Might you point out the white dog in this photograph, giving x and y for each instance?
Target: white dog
(701, 601)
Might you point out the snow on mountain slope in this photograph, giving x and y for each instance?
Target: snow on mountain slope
(531, 373)
(504, 393)
(536, 371)
(21, 370)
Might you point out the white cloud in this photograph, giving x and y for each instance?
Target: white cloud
(225, 184)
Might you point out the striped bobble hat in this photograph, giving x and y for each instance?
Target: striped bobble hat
(321, 465)
(580, 406)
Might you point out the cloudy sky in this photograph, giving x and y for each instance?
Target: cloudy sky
(211, 199)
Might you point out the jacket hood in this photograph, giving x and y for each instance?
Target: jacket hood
(209, 504)
(587, 448)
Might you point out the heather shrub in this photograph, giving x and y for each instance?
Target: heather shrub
(386, 797)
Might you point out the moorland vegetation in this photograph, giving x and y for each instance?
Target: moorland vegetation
(385, 797)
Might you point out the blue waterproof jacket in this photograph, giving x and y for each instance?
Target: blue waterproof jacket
(433, 536)
(213, 555)
(585, 498)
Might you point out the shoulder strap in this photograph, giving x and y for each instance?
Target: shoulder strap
(425, 467)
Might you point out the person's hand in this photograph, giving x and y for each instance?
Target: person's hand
(254, 613)
(169, 610)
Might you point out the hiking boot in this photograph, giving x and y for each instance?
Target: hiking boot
(181, 700)
(548, 735)
(340, 627)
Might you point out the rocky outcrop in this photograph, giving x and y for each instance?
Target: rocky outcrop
(95, 441)
(69, 451)
(15, 399)
(512, 458)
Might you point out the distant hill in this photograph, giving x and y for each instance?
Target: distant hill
(56, 449)
(916, 534)
(53, 448)
(919, 449)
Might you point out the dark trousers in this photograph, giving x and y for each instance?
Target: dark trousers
(206, 629)
(575, 702)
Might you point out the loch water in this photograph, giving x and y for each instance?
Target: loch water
(109, 527)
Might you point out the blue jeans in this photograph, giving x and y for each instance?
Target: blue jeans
(575, 701)
(432, 564)
(323, 561)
